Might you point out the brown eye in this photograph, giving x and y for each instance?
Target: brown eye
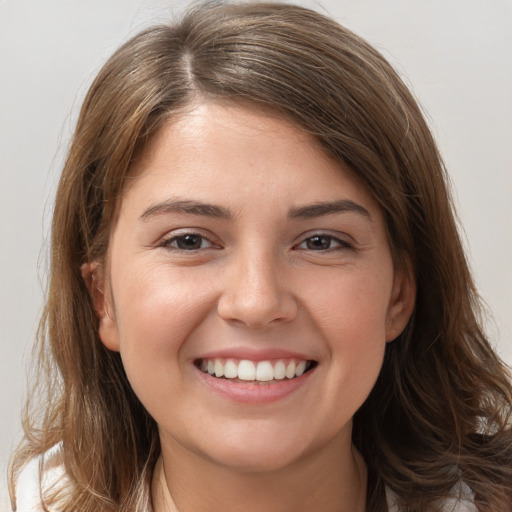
(323, 243)
(319, 243)
(187, 242)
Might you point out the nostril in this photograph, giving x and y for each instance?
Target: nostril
(257, 314)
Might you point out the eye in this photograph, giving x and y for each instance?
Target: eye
(187, 242)
(323, 243)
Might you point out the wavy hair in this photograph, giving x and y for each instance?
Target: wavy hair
(441, 409)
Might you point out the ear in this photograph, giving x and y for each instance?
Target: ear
(93, 275)
(401, 304)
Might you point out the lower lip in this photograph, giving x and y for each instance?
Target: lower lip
(250, 392)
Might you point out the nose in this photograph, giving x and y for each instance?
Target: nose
(257, 292)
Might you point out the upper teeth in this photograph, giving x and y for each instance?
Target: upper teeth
(246, 369)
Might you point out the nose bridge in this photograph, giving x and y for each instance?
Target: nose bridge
(257, 291)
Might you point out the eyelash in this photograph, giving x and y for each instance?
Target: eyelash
(324, 239)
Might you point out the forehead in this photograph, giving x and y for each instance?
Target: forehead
(234, 151)
(206, 124)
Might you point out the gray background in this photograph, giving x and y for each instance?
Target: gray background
(456, 55)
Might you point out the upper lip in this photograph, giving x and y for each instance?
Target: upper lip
(267, 354)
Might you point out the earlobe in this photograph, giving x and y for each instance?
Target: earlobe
(94, 278)
(401, 305)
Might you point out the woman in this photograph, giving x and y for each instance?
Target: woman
(258, 297)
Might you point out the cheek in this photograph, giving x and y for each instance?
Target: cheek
(350, 311)
(156, 311)
(351, 305)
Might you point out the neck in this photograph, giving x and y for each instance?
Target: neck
(330, 480)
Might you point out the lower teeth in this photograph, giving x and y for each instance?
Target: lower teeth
(252, 381)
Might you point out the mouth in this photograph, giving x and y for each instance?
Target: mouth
(261, 372)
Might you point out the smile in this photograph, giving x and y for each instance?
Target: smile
(254, 371)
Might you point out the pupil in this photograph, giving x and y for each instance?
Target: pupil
(319, 242)
(189, 242)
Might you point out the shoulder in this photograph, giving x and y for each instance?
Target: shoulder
(460, 500)
(38, 476)
(40, 473)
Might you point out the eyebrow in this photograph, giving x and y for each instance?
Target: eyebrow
(188, 207)
(210, 210)
(328, 208)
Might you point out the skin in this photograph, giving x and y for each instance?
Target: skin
(257, 279)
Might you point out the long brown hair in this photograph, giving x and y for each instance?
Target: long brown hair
(441, 409)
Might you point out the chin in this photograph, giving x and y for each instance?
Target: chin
(247, 461)
(256, 453)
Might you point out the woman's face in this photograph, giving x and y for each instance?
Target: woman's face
(242, 250)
